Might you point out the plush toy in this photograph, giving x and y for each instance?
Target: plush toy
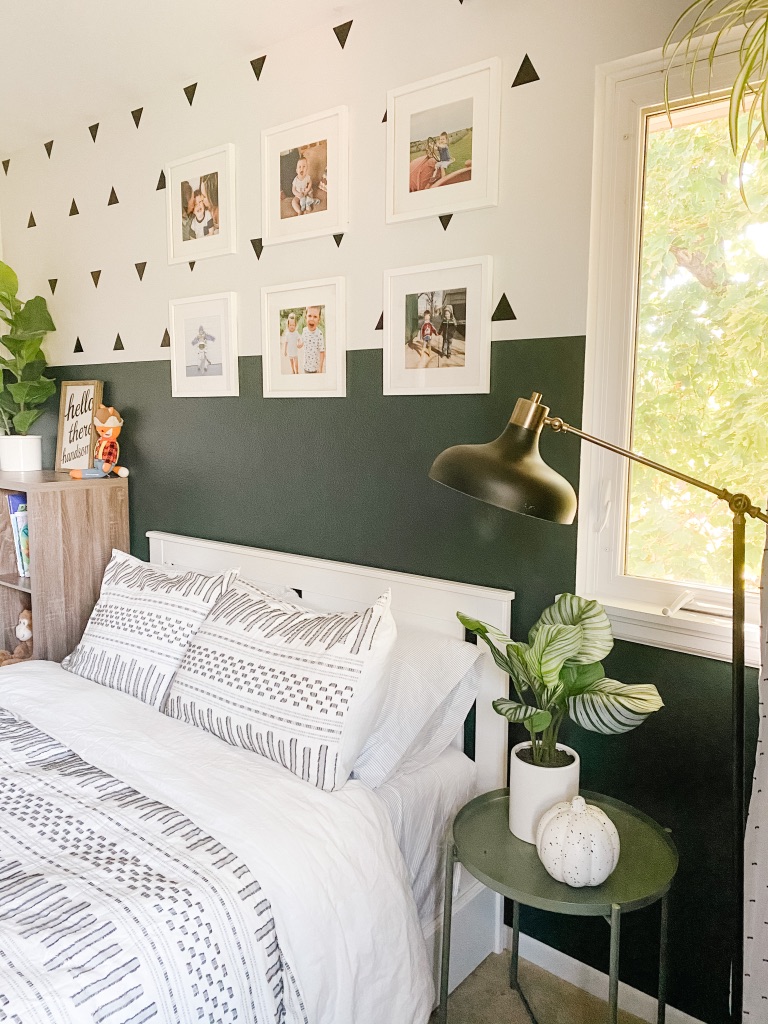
(23, 650)
(108, 423)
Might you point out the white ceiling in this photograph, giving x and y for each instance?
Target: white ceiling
(69, 62)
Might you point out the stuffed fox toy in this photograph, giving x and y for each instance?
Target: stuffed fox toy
(108, 423)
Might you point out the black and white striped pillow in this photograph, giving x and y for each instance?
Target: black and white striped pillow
(140, 627)
(298, 686)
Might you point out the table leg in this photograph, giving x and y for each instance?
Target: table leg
(514, 959)
(450, 856)
(662, 1003)
(613, 977)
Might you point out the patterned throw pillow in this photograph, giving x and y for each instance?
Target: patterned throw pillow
(140, 627)
(298, 686)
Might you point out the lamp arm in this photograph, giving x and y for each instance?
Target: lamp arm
(736, 502)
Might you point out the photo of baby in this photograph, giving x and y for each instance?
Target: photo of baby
(302, 340)
(441, 146)
(303, 180)
(435, 329)
(203, 344)
(200, 207)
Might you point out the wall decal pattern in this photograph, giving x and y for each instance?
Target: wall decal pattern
(526, 73)
(113, 200)
(445, 220)
(191, 264)
(160, 181)
(258, 66)
(118, 346)
(31, 222)
(258, 247)
(95, 274)
(94, 130)
(337, 239)
(136, 115)
(189, 92)
(48, 148)
(52, 282)
(342, 33)
(73, 210)
(503, 310)
(6, 165)
(140, 268)
(380, 323)
(78, 346)
(166, 342)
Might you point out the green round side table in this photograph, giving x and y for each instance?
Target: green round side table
(482, 842)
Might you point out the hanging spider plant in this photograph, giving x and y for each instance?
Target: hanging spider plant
(699, 34)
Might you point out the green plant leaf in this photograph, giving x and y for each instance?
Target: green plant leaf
(552, 646)
(9, 283)
(33, 370)
(570, 610)
(610, 707)
(33, 392)
(578, 678)
(22, 421)
(534, 718)
(483, 629)
(7, 403)
(33, 318)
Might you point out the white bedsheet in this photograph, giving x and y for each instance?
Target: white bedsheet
(421, 806)
(328, 862)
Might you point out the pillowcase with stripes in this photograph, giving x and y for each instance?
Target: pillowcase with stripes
(140, 627)
(300, 687)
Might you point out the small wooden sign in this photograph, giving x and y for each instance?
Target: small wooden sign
(76, 440)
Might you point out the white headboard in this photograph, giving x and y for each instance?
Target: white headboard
(339, 586)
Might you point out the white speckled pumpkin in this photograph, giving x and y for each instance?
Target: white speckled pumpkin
(577, 843)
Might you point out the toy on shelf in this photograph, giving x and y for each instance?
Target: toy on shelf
(108, 423)
(23, 650)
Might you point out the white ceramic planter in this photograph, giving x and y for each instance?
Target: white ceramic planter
(21, 454)
(533, 790)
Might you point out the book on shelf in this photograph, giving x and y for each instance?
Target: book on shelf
(17, 507)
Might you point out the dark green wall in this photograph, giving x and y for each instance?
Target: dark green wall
(347, 479)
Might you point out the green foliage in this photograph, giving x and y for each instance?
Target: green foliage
(701, 403)
(558, 671)
(23, 387)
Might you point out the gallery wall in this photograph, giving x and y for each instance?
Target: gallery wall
(347, 478)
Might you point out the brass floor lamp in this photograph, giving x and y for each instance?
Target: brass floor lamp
(510, 473)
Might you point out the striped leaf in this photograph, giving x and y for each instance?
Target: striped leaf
(552, 646)
(535, 720)
(610, 707)
(570, 610)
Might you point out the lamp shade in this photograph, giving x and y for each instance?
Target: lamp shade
(509, 472)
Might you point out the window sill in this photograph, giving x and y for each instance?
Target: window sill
(707, 636)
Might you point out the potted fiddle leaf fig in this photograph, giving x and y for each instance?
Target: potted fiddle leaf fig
(558, 673)
(24, 388)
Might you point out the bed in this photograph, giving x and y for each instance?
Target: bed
(219, 886)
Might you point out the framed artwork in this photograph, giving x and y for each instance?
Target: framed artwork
(303, 343)
(305, 170)
(76, 437)
(437, 328)
(443, 143)
(200, 199)
(204, 346)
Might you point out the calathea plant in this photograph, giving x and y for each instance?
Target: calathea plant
(558, 672)
(23, 387)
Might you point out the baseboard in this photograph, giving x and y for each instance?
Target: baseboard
(477, 930)
(589, 979)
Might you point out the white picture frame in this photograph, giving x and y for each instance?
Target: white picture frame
(201, 226)
(454, 358)
(203, 332)
(286, 361)
(322, 141)
(465, 106)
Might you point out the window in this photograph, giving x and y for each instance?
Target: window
(677, 365)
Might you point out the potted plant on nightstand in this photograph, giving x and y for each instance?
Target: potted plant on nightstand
(558, 672)
(23, 386)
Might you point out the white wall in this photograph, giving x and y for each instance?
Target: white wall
(538, 235)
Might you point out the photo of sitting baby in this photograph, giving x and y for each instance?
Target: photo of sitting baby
(303, 180)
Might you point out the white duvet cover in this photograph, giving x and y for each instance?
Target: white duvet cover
(328, 863)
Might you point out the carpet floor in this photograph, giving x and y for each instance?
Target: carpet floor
(486, 998)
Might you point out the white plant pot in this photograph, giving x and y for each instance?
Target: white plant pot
(533, 790)
(21, 454)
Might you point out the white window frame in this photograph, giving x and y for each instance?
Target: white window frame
(626, 91)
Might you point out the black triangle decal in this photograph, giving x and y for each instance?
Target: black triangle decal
(95, 274)
(48, 148)
(384, 119)
(6, 165)
(380, 324)
(113, 200)
(258, 66)
(52, 282)
(73, 210)
(258, 247)
(503, 311)
(342, 32)
(118, 346)
(94, 130)
(189, 92)
(78, 347)
(191, 264)
(160, 181)
(337, 239)
(136, 115)
(445, 220)
(31, 223)
(166, 342)
(140, 268)
(525, 73)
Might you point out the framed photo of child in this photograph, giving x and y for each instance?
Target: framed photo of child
(437, 328)
(200, 202)
(305, 171)
(303, 340)
(204, 346)
(443, 143)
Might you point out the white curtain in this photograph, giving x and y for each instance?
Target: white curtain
(756, 849)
